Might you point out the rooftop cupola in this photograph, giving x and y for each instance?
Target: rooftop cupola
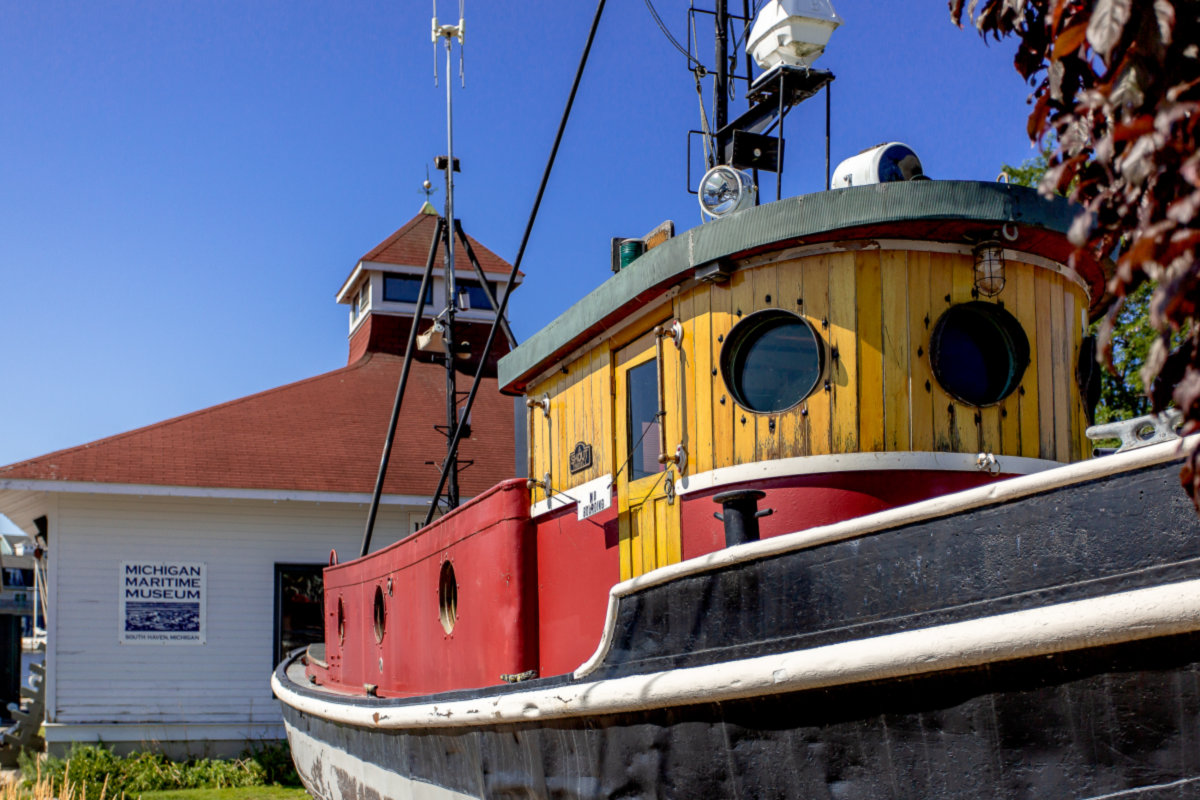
(383, 287)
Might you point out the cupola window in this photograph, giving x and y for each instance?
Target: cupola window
(476, 296)
(978, 352)
(772, 360)
(404, 289)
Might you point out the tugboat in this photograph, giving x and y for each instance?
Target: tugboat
(811, 512)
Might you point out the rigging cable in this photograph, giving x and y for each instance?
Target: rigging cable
(512, 275)
(662, 27)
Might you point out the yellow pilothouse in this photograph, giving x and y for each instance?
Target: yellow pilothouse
(909, 367)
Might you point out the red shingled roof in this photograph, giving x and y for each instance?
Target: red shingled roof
(409, 247)
(323, 434)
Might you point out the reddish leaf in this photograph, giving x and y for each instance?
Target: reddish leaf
(1069, 41)
(956, 9)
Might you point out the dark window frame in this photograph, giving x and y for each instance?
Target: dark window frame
(637, 439)
(479, 299)
(749, 331)
(405, 280)
(277, 604)
(1005, 333)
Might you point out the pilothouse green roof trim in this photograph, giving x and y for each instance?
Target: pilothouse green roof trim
(910, 209)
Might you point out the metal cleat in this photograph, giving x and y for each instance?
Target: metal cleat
(1140, 431)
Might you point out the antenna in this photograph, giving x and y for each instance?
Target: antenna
(448, 33)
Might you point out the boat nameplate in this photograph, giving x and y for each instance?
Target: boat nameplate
(581, 457)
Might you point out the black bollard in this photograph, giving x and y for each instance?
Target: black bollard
(739, 512)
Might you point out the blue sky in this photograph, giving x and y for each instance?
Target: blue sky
(185, 185)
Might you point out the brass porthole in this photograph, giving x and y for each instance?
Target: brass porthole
(978, 353)
(447, 597)
(772, 360)
(380, 615)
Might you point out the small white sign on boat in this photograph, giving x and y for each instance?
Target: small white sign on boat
(593, 497)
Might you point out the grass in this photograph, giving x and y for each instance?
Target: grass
(41, 790)
(244, 793)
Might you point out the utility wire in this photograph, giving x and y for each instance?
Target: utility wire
(512, 275)
(662, 27)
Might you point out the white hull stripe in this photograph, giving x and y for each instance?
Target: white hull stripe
(1112, 619)
(817, 465)
(854, 462)
(946, 505)
(317, 761)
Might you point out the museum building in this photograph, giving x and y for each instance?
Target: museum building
(184, 558)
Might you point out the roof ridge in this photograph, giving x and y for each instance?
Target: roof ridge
(359, 364)
(420, 219)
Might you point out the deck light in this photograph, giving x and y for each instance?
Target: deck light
(791, 32)
(724, 190)
(989, 268)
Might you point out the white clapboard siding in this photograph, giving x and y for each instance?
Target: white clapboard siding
(226, 680)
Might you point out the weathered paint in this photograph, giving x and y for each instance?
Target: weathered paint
(874, 311)
(489, 543)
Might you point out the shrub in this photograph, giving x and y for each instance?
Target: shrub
(93, 770)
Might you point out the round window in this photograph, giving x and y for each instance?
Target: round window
(447, 597)
(978, 352)
(380, 615)
(772, 360)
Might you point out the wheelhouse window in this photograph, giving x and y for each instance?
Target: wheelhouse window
(643, 445)
(978, 352)
(299, 607)
(404, 289)
(772, 360)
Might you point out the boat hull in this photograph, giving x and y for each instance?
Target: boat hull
(1091, 723)
(1034, 639)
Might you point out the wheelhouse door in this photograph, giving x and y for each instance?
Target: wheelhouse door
(648, 512)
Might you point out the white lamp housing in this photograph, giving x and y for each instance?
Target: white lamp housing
(792, 32)
(884, 163)
(724, 190)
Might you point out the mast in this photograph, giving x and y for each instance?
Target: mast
(448, 33)
(721, 78)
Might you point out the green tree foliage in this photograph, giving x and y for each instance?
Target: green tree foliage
(1116, 85)
(1122, 391)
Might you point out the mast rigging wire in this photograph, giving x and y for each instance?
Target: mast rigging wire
(663, 27)
(512, 275)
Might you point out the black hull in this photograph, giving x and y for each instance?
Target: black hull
(1109, 712)
(1122, 719)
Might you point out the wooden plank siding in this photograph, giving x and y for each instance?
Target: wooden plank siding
(100, 681)
(874, 311)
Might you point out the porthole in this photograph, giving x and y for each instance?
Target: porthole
(772, 360)
(380, 615)
(341, 622)
(448, 597)
(978, 352)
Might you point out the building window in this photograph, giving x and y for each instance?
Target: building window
(362, 299)
(299, 607)
(404, 289)
(477, 296)
(14, 578)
